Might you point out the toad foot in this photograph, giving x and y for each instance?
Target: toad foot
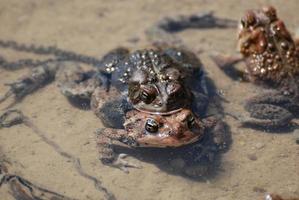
(123, 164)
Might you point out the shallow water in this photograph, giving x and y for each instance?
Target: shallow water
(94, 27)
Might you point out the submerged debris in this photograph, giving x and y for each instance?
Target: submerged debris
(19, 187)
(161, 32)
(39, 77)
(57, 53)
(23, 189)
(13, 117)
(199, 20)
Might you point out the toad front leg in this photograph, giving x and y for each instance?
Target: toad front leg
(201, 156)
(106, 139)
(219, 133)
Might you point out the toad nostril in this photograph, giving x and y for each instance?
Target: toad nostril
(158, 103)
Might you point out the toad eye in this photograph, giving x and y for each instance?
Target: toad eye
(147, 95)
(175, 93)
(251, 21)
(151, 125)
(190, 121)
(248, 20)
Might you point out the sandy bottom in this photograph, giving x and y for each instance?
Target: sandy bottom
(257, 162)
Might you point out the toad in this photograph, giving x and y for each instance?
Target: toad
(272, 62)
(129, 123)
(135, 128)
(163, 80)
(152, 81)
(194, 139)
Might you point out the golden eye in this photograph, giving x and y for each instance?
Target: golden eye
(270, 12)
(175, 92)
(147, 95)
(248, 20)
(151, 125)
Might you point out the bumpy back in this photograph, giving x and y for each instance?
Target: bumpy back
(271, 52)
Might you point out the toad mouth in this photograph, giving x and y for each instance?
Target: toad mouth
(159, 113)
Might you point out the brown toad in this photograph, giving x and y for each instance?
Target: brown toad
(127, 123)
(160, 80)
(194, 141)
(157, 80)
(272, 62)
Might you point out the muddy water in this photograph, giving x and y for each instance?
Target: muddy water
(257, 162)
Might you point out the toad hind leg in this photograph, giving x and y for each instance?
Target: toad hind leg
(267, 116)
(269, 110)
(108, 137)
(275, 98)
(219, 132)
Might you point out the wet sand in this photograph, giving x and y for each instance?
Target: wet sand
(94, 27)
